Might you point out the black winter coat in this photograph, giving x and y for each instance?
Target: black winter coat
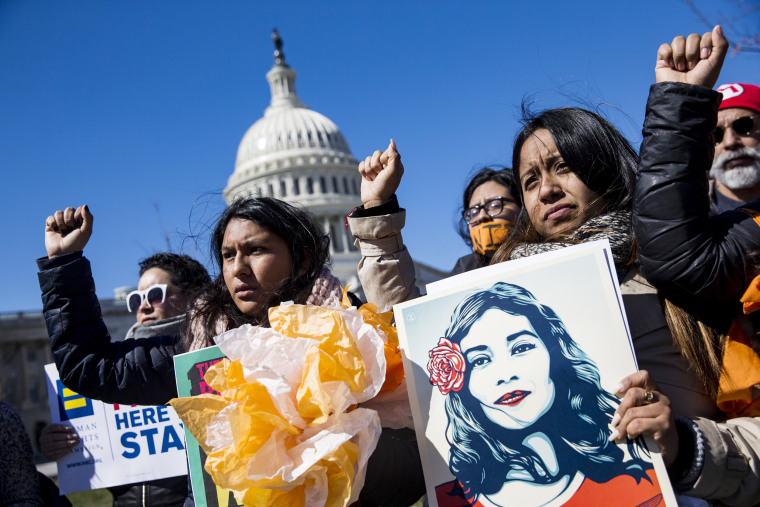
(169, 492)
(468, 263)
(697, 261)
(137, 371)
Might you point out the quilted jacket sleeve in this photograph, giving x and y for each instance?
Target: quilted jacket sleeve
(137, 371)
(696, 260)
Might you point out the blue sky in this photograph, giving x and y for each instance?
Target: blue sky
(137, 108)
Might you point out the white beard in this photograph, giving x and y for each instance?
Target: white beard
(739, 177)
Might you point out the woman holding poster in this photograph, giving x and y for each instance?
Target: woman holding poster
(577, 175)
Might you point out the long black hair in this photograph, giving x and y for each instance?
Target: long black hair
(482, 452)
(309, 250)
(503, 176)
(593, 149)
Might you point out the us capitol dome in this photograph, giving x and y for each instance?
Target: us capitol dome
(300, 156)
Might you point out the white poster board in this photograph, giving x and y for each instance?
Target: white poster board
(511, 370)
(119, 444)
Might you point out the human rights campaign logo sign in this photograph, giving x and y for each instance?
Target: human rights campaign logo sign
(117, 444)
(72, 405)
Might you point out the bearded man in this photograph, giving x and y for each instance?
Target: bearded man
(735, 171)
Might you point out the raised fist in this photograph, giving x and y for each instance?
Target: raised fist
(67, 231)
(692, 60)
(381, 174)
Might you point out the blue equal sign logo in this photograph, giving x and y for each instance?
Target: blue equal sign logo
(72, 405)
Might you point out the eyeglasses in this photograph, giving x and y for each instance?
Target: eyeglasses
(742, 126)
(493, 207)
(154, 294)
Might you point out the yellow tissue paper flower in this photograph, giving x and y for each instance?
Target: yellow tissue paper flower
(318, 454)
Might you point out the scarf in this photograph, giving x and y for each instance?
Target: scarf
(614, 226)
(738, 390)
(325, 287)
(163, 327)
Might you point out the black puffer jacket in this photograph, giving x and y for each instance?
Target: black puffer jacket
(170, 492)
(697, 261)
(137, 371)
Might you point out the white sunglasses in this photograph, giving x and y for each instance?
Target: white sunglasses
(153, 295)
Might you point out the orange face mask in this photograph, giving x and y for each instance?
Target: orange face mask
(488, 236)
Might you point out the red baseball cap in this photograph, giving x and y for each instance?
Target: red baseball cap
(740, 95)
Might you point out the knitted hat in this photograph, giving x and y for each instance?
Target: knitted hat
(740, 95)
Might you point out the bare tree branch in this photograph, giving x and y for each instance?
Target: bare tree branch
(747, 42)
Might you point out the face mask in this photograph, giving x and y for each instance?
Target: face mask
(487, 237)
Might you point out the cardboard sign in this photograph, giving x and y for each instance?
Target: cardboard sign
(189, 369)
(119, 444)
(511, 372)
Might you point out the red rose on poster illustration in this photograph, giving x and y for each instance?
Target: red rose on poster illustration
(446, 366)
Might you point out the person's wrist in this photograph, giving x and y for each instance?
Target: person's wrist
(378, 201)
(58, 253)
(386, 207)
(372, 203)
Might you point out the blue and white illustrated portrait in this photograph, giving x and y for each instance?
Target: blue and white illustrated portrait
(512, 373)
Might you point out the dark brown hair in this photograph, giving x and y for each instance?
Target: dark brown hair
(309, 250)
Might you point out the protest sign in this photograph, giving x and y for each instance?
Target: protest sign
(119, 444)
(189, 369)
(511, 372)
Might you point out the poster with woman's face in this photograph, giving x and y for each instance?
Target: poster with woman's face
(511, 372)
